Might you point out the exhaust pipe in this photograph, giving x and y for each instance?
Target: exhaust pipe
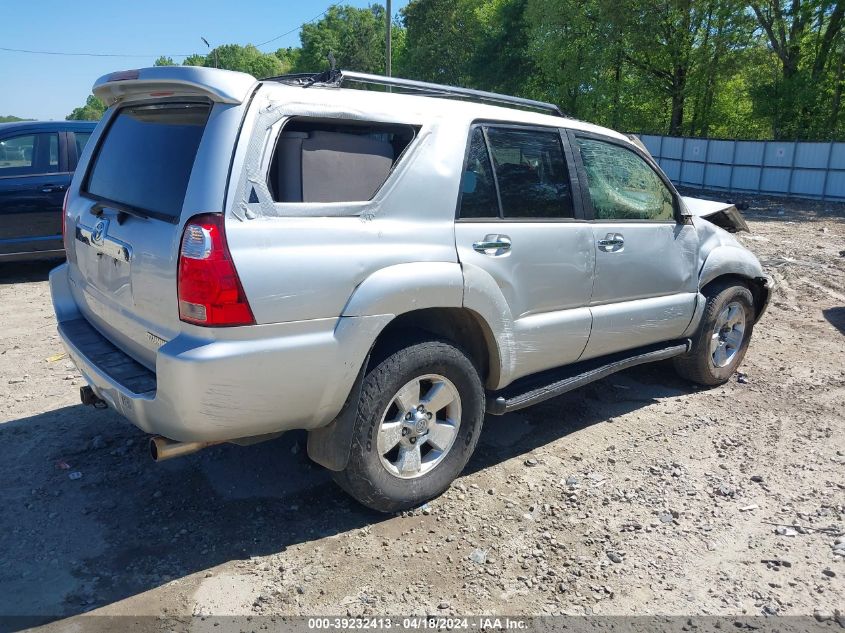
(162, 448)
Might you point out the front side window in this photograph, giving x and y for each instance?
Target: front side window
(622, 185)
(17, 153)
(29, 154)
(531, 172)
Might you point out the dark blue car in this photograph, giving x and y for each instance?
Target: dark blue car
(37, 160)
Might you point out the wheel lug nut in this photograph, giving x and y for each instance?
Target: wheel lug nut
(404, 432)
(407, 416)
(421, 408)
(413, 440)
(428, 415)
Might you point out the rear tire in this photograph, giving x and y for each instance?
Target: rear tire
(723, 336)
(401, 454)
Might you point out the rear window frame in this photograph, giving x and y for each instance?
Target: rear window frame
(578, 209)
(123, 207)
(277, 130)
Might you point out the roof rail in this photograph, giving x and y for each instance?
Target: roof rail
(423, 88)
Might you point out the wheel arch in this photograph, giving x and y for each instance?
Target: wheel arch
(329, 445)
(759, 287)
(735, 263)
(462, 326)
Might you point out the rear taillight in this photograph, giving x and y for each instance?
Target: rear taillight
(210, 292)
(64, 214)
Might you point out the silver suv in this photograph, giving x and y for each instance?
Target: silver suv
(378, 267)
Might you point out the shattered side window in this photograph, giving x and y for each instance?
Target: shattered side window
(622, 185)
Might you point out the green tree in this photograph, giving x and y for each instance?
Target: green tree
(164, 61)
(577, 52)
(501, 61)
(441, 36)
(289, 57)
(804, 99)
(356, 38)
(93, 110)
(727, 68)
(246, 59)
(195, 60)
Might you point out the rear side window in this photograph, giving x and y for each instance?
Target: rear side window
(29, 154)
(622, 185)
(81, 139)
(53, 153)
(145, 160)
(478, 190)
(531, 172)
(515, 174)
(334, 161)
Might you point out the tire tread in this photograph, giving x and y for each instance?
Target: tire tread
(695, 364)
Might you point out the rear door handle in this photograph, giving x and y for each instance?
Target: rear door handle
(52, 188)
(612, 243)
(493, 245)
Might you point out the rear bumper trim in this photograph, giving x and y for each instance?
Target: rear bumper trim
(118, 367)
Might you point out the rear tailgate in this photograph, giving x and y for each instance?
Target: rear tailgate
(161, 155)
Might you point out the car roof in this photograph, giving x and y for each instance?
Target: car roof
(409, 108)
(47, 126)
(227, 86)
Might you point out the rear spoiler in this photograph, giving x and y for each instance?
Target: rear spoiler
(222, 86)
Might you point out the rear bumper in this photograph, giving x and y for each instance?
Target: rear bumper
(258, 380)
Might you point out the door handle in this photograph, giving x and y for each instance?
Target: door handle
(612, 243)
(52, 188)
(498, 243)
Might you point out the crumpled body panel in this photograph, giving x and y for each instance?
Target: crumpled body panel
(722, 214)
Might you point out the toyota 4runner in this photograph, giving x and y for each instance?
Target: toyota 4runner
(378, 267)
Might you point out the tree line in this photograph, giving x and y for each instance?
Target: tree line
(710, 68)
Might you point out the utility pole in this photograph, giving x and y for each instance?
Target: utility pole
(388, 64)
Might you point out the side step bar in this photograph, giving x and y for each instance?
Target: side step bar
(537, 388)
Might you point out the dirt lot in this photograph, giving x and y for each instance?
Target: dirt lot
(636, 495)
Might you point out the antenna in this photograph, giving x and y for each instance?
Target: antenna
(205, 41)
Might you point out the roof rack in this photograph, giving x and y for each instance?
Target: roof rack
(339, 77)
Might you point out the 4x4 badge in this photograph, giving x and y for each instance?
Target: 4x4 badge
(99, 232)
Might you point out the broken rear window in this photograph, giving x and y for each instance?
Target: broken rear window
(331, 161)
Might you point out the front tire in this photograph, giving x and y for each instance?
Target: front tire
(419, 419)
(723, 336)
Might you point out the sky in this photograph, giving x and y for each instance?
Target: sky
(48, 87)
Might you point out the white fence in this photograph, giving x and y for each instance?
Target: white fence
(809, 170)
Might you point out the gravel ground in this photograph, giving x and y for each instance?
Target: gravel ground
(638, 494)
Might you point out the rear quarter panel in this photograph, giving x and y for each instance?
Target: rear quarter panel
(300, 261)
